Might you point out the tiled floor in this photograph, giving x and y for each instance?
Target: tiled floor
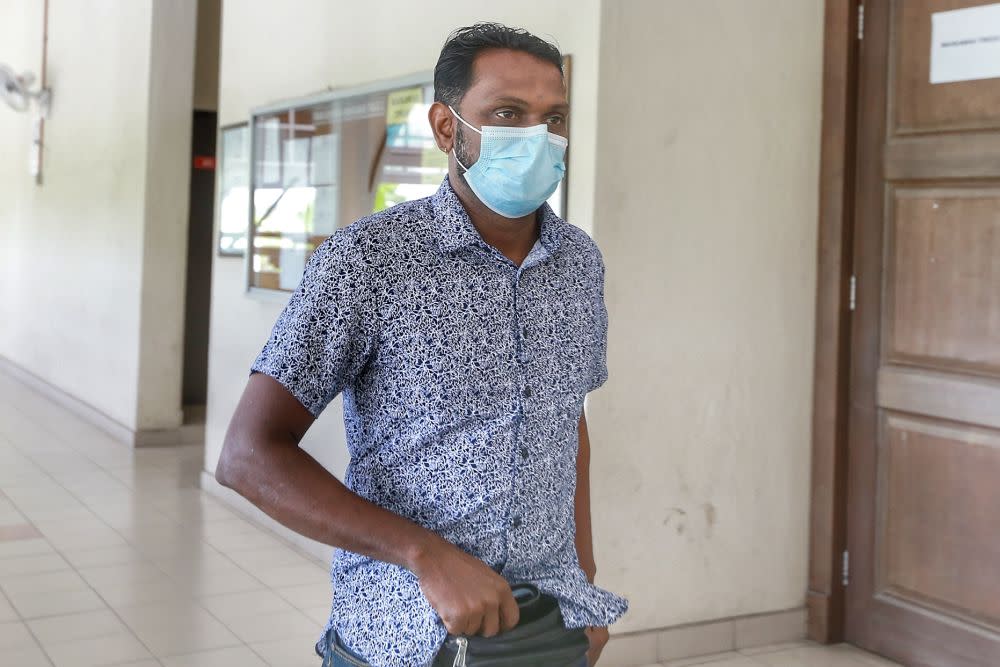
(112, 556)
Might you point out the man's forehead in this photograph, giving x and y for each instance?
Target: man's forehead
(504, 73)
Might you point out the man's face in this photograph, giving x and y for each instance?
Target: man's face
(510, 88)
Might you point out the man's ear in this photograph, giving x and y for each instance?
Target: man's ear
(443, 125)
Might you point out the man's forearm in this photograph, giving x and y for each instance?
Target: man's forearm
(584, 538)
(292, 487)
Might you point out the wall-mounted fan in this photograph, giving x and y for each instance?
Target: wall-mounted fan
(16, 91)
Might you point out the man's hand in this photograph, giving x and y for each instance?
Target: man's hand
(598, 637)
(468, 596)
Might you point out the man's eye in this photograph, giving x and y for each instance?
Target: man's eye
(556, 120)
(506, 114)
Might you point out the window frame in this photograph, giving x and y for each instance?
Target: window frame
(424, 78)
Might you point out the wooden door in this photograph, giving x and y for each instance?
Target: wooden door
(923, 562)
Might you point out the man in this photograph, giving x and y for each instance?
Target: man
(464, 330)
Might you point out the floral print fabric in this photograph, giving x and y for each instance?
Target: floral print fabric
(463, 378)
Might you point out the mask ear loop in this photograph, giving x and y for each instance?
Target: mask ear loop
(470, 127)
(464, 168)
(463, 120)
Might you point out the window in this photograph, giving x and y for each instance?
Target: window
(326, 161)
(234, 190)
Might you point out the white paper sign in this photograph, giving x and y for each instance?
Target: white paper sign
(965, 44)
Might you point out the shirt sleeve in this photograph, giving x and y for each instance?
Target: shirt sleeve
(599, 373)
(323, 337)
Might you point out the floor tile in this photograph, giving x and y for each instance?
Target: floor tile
(273, 626)
(27, 656)
(816, 656)
(237, 605)
(307, 596)
(239, 656)
(24, 548)
(79, 534)
(230, 580)
(292, 575)
(160, 590)
(771, 648)
(43, 582)
(256, 559)
(15, 635)
(243, 541)
(132, 572)
(318, 615)
(18, 531)
(113, 555)
(57, 512)
(176, 629)
(98, 651)
(35, 605)
(18, 566)
(71, 627)
(202, 560)
(7, 612)
(864, 657)
(288, 652)
(729, 659)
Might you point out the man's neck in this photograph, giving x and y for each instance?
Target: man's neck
(514, 237)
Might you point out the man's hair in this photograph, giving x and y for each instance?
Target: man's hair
(453, 73)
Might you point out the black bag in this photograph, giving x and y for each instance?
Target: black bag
(540, 639)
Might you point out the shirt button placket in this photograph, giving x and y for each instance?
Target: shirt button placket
(521, 333)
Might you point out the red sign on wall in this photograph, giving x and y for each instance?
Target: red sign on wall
(204, 162)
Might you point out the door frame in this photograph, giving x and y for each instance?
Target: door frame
(826, 595)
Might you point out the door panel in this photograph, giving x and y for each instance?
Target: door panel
(921, 106)
(939, 499)
(943, 301)
(924, 459)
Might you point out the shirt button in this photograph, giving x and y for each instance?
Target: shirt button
(527, 392)
(524, 332)
(524, 452)
(515, 522)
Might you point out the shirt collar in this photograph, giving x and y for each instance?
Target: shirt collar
(454, 227)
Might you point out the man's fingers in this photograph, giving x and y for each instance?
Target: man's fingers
(510, 614)
(473, 622)
(491, 622)
(598, 637)
(455, 625)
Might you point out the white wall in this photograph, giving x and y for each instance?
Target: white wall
(706, 212)
(309, 45)
(72, 246)
(87, 260)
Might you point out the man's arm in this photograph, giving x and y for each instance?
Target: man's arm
(584, 538)
(598, 636)
(262, 461)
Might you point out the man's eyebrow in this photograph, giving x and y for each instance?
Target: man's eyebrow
(517, 101)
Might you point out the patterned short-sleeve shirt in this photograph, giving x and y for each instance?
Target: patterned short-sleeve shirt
(463, 378)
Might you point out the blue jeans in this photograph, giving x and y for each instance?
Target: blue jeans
(338, 655)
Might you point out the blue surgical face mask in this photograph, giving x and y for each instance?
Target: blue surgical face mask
(518, 167)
